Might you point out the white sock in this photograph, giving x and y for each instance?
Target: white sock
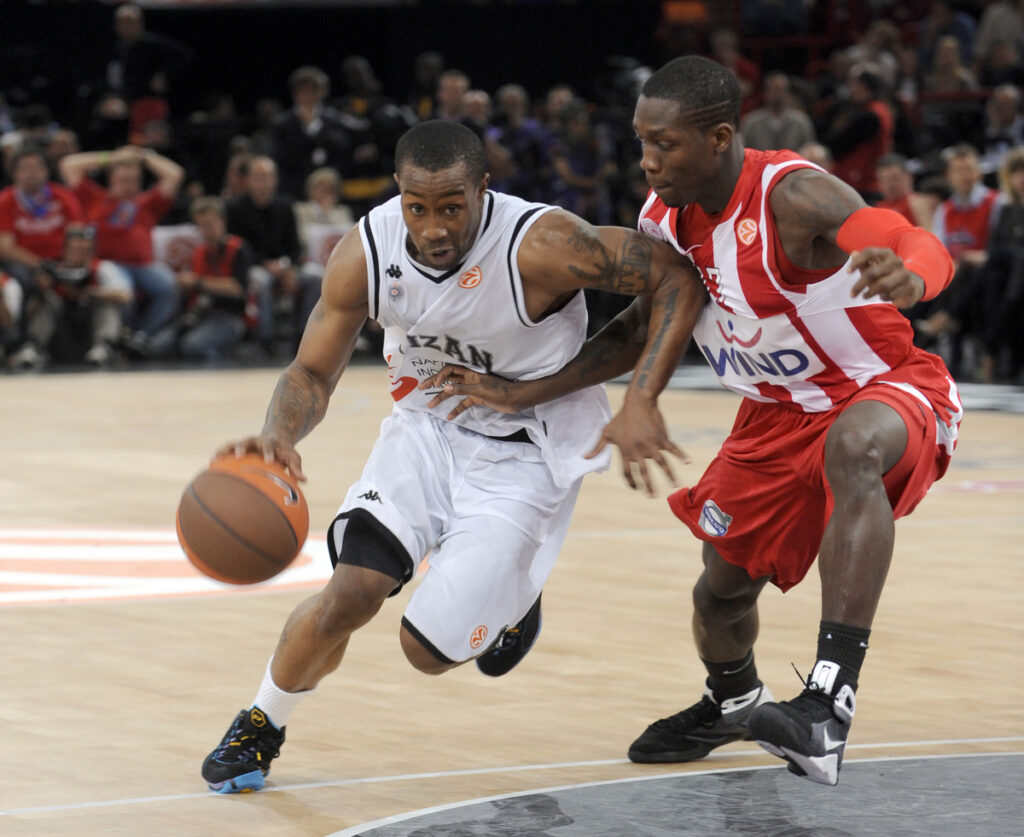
(276, 703)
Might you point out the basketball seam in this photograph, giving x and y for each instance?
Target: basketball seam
(262, 553)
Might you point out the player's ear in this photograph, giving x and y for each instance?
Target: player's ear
(483, 185)
(721, 137)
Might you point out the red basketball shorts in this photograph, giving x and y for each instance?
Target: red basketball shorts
(763, 502)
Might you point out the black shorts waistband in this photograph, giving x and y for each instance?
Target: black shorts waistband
(519, 436)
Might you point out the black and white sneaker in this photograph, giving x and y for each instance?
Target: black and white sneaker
(693, 733)
(242, 759)
(809, 731)
(512, 645)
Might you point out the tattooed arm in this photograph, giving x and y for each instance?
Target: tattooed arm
(300, 399)
(610, 353)
(562, 254)
(627, 262)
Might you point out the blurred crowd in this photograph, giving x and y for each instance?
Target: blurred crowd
(136, 234)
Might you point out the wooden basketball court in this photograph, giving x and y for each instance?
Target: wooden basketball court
(110, 703)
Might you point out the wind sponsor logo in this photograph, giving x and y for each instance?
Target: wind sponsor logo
(740, 357)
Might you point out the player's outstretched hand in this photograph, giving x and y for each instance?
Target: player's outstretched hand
(476, 389)
(640, 434)
(883, 274)
(271, 448)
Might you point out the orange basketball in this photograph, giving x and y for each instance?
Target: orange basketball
(241, 520)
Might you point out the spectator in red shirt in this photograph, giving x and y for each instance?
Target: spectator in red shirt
(896, 186)
(213, 288)
(124, 216)
(34, 213)
(963, 223)
(78, 303)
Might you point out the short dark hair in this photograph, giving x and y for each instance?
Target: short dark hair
(707, 93)
(440, 144)
(29, 149)
(207, 203)
(892, 159)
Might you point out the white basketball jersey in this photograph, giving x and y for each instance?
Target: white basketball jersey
(475, 315)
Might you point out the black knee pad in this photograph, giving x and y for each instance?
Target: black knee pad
(366, 543)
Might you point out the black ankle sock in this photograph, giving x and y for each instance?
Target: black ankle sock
(729, 680)
(846, 646)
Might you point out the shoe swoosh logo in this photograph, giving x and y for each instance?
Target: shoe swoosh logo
(831, 744)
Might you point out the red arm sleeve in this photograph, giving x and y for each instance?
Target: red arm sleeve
(922, 252)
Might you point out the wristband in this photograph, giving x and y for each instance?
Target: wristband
(922, 253)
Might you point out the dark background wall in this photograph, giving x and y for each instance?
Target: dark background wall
(50, 49)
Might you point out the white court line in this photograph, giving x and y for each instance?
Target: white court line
(356, 830)
(337, 783)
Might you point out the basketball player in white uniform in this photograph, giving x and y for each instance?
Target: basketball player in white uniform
(454, 273)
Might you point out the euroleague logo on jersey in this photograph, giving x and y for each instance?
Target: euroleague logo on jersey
(476, 639)
(471, 278)
(746, 230)
(650, 227)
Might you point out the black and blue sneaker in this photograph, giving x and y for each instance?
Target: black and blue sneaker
(512, 645)
(242, 759)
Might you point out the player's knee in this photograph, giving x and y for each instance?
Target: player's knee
(420, 656)
(854, 455)
(342, 611)
(722, 605)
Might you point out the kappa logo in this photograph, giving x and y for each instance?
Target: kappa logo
(476, 639)
(713, 520)
(746, 230)
(372, 496)
(394, 271)
(471, 278)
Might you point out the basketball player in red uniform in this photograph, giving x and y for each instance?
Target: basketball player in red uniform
(844, 423)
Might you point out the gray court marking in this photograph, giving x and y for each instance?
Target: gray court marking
(975, 795)
(478, 771)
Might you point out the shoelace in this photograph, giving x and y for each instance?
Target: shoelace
(810, 693)
(700, 714)
(234, 744)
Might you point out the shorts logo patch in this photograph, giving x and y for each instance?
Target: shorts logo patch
(713, 520)
(476, 639)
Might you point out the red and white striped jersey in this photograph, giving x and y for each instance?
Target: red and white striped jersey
(773, 331)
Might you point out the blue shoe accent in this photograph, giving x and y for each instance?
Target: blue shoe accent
(241, 784)
(243, 757)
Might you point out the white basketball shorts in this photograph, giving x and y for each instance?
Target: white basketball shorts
(486, 511)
